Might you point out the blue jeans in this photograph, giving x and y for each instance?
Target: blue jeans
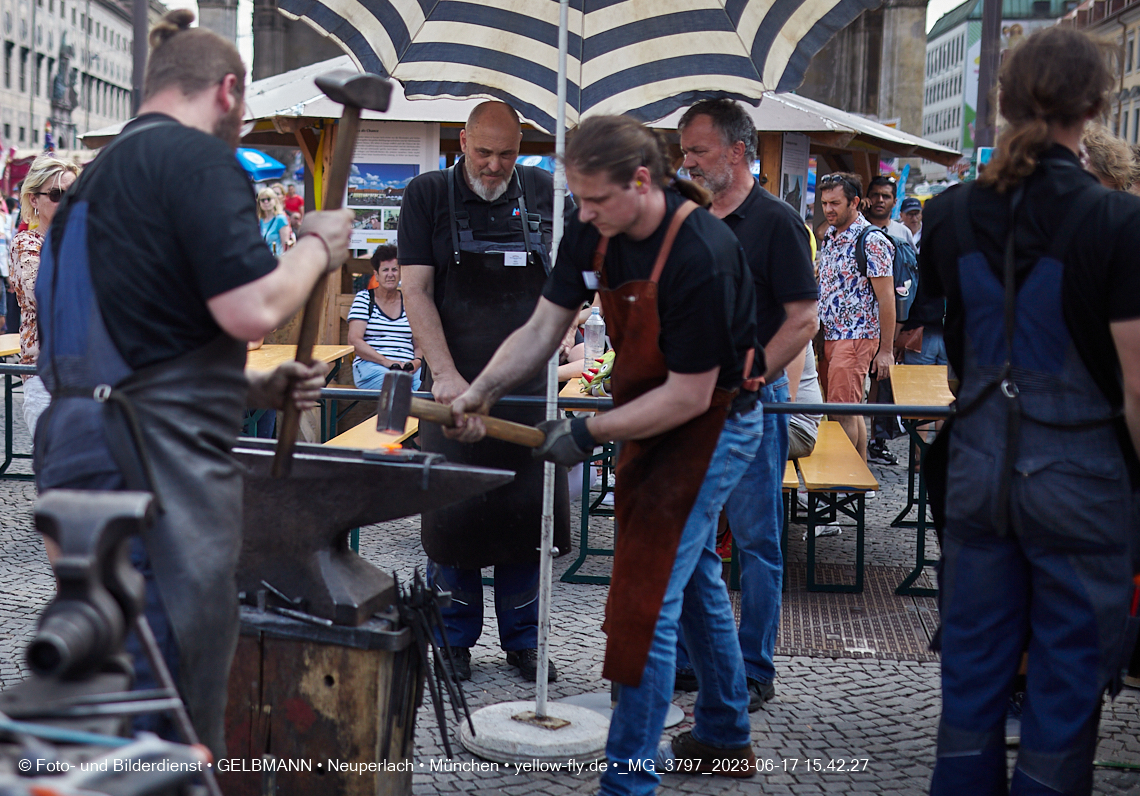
(369, 375)
(516, 604)
(721, 712)
(756, 516)
(933, 349)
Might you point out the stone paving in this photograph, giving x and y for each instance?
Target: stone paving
(837, 725)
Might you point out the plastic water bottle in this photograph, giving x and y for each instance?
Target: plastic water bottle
(595, 333)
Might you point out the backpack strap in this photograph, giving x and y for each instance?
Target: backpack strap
(861, 247)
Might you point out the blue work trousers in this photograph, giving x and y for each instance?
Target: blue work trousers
(721, 712)
(516, 604)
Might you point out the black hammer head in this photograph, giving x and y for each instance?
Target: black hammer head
(395, 402)
(365, 90)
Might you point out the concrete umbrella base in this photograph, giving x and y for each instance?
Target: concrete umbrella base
(501, 737)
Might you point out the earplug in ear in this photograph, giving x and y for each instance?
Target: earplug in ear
(639, 183)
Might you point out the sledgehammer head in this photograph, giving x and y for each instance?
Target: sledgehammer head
(395, 402)
(367, 91)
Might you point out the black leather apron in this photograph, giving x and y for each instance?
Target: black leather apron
(490, 290)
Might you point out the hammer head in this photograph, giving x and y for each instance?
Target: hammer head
(395, 402)
(358, 90)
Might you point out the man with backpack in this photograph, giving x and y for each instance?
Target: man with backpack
(881, 199)
(856, 305)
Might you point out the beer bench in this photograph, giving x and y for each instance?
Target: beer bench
(837, 482)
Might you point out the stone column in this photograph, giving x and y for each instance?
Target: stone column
(903, 63)
(220, 16)
(268, 39)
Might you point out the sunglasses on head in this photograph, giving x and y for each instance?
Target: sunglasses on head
(829, 179)
(55, 194)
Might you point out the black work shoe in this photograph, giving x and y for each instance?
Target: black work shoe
(693, 757)
(526, 661)
(685, 680)
(461, 661)
(759, 693)
(878, 453)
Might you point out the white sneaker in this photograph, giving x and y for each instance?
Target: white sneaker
(825, 530)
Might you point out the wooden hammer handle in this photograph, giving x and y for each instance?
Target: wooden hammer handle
(499, 429)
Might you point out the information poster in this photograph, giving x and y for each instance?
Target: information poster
(794, 171)
(388, 156)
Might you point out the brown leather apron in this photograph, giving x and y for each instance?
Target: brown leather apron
(658, 478)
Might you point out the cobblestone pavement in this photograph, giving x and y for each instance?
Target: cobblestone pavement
(828, 712)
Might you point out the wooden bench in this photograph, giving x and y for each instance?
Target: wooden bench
(366, 437)
(836, 476)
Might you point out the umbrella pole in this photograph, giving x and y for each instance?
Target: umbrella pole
(546, 554)
(522, 732)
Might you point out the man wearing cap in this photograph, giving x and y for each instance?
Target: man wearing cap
(911, 213)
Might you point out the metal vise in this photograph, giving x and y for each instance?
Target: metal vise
(100, 592)
(296, 528)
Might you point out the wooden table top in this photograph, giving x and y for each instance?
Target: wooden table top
(920, 385)
(269, 357)
(9, 344)
(366, 437)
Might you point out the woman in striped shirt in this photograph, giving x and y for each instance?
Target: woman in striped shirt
(378, 327)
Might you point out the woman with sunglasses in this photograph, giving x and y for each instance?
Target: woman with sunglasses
(275, 229)
(40, 195)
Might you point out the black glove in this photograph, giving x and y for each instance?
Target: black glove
(565, 443)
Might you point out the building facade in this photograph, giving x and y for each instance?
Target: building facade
(953, 53)
(1117, 20)
(65, 61)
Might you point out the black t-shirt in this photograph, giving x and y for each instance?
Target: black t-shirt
(776, 244)
(705, 300)
(172, 223)
(1100, 283)
(424, 236)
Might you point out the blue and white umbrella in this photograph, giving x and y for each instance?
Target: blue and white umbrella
(259, 166)
(642, 57)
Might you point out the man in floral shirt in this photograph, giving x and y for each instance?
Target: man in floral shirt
(853, 307)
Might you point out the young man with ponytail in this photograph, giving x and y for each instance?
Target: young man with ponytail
(680, 309)
(1031, 481)
(152, 277)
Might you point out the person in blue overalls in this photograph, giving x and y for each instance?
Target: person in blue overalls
(1032, 479)
(152, 275)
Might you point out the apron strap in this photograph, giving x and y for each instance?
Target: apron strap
(688, 206)
(600, 260)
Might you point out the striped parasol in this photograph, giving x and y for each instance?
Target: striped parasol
(642, 57)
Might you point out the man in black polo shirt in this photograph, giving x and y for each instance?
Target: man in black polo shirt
(475, 252)
(152, 278)
(719, 142)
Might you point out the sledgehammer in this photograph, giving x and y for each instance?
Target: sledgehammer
(396, 404)
(355, 92)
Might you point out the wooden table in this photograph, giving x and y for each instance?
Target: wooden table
(10, 346)
(268, 357)
(918, 385)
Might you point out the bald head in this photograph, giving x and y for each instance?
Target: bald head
(494, 114)
(490, 144)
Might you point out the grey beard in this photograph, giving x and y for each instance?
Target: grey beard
(481, 190)
(485, 193)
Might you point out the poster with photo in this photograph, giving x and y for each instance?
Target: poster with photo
(794, 171)
(388, 156)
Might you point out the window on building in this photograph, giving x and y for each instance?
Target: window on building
(62, 10)
(1135, 124)
(22, 136)
(1124, 125)
(73, 17)
(39, 68)
(7, 132)
(23, 69)
(1128, 53)
(8, 47)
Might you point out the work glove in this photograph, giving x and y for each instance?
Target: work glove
(564, 442)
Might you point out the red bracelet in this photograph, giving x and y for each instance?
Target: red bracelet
(318, 236)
